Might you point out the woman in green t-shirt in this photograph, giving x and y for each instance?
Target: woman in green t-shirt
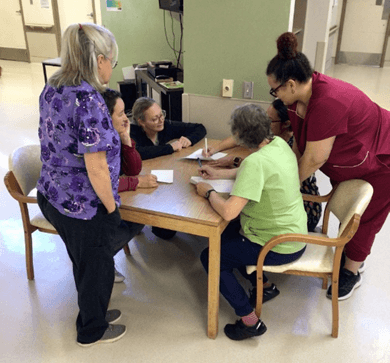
(266, 197)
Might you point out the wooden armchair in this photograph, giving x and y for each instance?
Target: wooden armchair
(347, 201)
(24, 170)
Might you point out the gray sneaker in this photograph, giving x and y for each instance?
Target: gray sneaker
(112, 334)
(118, 276)
(113, 316)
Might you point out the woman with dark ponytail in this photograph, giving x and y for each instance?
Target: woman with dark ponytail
(340, 131)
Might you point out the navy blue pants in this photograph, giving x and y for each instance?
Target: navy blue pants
(238, 252)
(91, 245)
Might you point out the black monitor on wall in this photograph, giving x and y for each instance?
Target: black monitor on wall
(171, 5)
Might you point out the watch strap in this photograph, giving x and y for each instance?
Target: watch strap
(207, 195)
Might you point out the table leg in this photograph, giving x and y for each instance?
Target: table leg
(213, 283)
(44, 72)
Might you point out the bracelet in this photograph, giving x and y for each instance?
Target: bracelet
(207, 195)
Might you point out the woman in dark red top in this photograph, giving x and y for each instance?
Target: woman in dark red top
(340, 131)
(131, 162)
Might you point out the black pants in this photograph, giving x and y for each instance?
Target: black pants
(91, 245)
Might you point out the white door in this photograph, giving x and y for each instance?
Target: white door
(11, 25)
(75, 11)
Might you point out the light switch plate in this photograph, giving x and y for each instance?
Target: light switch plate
(248, 90)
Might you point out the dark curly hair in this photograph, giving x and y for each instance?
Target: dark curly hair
(289, 63)
(110, 96)
(281, 109)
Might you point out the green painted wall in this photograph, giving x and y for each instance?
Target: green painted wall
(222, 39)
(230, 39)
(139, 31)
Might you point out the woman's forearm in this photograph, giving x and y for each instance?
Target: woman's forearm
(99, 176)
(307, 168)
(227, 209)
(227, 143)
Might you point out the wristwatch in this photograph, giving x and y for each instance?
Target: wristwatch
(207, 195)
(237, 161)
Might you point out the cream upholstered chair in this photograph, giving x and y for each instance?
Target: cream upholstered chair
(347, 201)
(24, 170)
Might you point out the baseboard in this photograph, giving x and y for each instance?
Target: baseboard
(14, 54)
(357, 58)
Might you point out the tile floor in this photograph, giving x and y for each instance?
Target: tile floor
(163, 298)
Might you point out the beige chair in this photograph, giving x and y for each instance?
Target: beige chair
(347, 202)
(24, 170)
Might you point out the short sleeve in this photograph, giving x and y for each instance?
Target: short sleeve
(95, 130)
(249, 182)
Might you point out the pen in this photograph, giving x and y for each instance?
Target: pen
(205, 144)
(199, 162)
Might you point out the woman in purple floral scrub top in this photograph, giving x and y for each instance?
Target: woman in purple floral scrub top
(78, 186)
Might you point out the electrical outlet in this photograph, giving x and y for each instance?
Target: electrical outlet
(248, 89)
(227, 88)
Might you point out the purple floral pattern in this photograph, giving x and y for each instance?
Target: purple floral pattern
(74, 121)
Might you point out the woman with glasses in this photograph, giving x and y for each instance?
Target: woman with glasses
(265, 202)
(153, 134)
(340, 131)
(78, 185)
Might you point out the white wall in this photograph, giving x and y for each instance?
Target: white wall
(364, 28)
(315, 42)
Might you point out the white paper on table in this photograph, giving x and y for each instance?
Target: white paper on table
(163, 176)
(198, 154)
(220, 185)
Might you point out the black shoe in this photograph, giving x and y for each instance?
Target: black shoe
(348, 282)
(163, 233)
(240, 331)
(268, 294)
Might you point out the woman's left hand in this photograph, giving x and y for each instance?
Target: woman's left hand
(185, 142)
(125, 134)
(202, 188)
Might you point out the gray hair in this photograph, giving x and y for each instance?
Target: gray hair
(81, 46)
(250, 125)
(141, 105)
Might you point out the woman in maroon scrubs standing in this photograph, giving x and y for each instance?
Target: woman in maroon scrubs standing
(340, 131)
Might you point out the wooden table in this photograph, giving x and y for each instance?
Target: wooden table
(178, 207)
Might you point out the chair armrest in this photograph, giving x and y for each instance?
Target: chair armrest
(346, 236)
(14, 189)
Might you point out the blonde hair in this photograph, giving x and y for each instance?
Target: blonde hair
(81, 46)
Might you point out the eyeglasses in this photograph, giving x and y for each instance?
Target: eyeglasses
(159, 117)
(273, 91)
(272, 121)
(113, 62)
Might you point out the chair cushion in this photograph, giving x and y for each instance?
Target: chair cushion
(315, 259)
(41, 222)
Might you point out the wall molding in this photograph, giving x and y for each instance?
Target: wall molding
(213, 112)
